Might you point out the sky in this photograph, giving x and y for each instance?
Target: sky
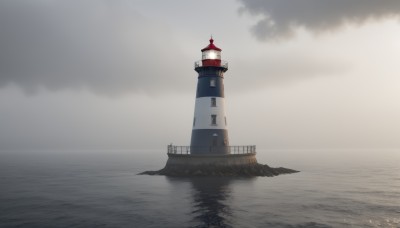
(303, 74)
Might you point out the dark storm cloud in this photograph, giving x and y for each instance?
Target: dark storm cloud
(281, 18)
(103, 46)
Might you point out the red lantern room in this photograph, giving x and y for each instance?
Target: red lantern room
(211, 55)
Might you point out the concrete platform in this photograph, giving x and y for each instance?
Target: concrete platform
(217, 160)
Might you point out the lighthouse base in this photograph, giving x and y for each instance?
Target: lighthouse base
(217, 160)
(217, 165)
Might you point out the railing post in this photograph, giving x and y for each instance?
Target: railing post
(249, 149)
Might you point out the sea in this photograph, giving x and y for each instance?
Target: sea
(101, 188)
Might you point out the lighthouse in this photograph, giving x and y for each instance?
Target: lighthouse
(209, 131)
(209, 152)
(209, 144)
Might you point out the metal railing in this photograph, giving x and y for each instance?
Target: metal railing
(210, 149)
(224, 64)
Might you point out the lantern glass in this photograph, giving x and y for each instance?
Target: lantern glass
(211, 54)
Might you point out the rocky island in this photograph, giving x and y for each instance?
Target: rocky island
(229, 165)
(228, 171)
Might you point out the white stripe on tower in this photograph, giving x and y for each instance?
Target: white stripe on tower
(208, 108)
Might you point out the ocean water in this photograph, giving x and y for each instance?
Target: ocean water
(335, 188)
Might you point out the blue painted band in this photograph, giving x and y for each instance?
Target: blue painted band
(207, 88)
(209, 141)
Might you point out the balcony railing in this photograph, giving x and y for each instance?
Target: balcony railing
(223, 64)
(208, 150)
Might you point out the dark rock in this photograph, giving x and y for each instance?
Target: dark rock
(212, 170)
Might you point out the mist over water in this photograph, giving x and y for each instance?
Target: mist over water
(335, 188)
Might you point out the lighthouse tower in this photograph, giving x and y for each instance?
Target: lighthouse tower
(209, 143)
(210, 132)
(209, 153)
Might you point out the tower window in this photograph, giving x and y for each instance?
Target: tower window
(212, 82)
(194, 121)
(213, 102)
(213, 119)
(225, 121)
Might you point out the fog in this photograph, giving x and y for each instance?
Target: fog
(119, 74)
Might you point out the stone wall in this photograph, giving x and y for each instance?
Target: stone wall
(218, 160)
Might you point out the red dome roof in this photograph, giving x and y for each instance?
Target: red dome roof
(211, 46)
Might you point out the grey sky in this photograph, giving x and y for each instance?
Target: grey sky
(113, 47)
(280, 19)
(104, 46)
(119, 74)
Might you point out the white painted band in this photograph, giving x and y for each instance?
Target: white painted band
(204, 111)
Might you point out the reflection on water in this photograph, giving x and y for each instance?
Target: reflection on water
(210, 196)
(211, 200)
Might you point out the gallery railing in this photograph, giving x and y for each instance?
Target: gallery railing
(230, 149)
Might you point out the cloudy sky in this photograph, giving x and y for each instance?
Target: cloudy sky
(119, 74)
